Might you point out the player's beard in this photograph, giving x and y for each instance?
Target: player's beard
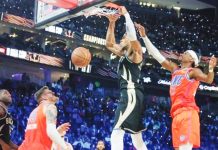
(55, 99)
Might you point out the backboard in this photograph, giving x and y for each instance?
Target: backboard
(48, 15)
(44, 12)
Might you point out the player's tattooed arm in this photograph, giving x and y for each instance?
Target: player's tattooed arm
(51, 114)
(110, 37)
(51, 117)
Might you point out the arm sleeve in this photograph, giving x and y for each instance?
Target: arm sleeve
(152, 50)
(130, 28)
(55, 136)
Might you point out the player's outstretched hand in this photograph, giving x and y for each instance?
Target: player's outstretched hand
(63, 128)
(122, 10)
(213, 62)
(113, 18)
(142, 30)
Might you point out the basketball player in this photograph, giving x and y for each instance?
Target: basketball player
(129, 113)
(41, 129)
(100, 145)
(6, 122)
(184, 84)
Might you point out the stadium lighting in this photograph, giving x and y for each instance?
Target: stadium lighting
(177, 8)
(13, 35)
(149, 4)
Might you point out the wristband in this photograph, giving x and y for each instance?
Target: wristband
(211, 69)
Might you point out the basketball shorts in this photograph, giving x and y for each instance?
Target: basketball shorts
(186, 128)
(130, 111)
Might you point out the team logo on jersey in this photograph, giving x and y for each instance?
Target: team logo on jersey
(176, 80)
(182, 138)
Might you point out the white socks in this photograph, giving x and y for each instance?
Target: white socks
(138, 141)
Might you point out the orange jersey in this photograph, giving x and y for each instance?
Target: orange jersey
(36, 136)
(182, 91)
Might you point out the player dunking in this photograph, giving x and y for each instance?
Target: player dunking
(184, 84)
(41, 129)
(6, 122)
(129, 113)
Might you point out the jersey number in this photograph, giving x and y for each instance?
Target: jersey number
(176, 80)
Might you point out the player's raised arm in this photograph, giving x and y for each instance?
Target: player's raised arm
(200, 76)
(131, 32)
(110, 38)
(152, 50)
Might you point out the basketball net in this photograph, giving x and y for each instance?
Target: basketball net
(108, 9)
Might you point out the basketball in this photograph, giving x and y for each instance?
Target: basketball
(81, 57)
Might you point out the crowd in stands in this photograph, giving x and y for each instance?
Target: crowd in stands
(91, 117)
(168, 30)
(23, 8)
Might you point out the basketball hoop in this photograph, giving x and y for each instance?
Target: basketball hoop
(101, 12)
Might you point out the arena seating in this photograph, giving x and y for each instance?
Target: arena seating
(91, 117)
